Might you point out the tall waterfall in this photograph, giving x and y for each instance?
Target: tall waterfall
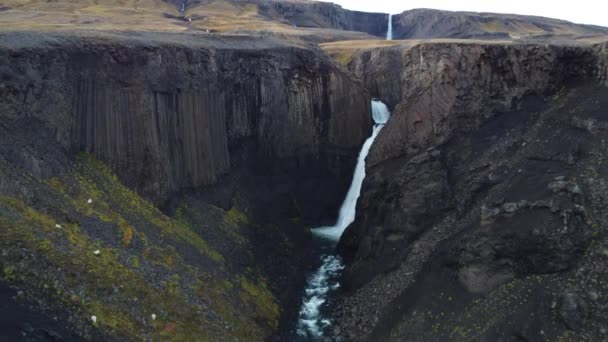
(389, 30)
(312, 324)
(380, 114)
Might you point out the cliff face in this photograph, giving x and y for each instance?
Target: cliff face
(236, 135)
(488, 176)
(167, 116)
(327, 15)
(429, 23)
(433, 81)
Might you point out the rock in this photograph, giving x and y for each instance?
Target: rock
(572, 311)
(325, 15)
(562, 185)
(559, 185)
(510, 207)
(593, 296)
(488, 213)
(432, 23)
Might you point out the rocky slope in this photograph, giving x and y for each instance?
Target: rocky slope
(305, 20)
(97, 127)
(428, 23)
(484, 196)
(326, 15)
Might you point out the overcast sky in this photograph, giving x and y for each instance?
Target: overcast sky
(579, 11)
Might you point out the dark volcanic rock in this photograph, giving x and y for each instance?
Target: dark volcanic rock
(572, 310)
(491, 149)
(169, 112)
(326, 15)
(236, 135)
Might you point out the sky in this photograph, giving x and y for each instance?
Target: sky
(593, 12)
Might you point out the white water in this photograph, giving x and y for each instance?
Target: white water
(312, 324)
(380, 114)
(182, 8)
(389, 30)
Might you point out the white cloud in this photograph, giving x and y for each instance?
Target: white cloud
(579, 11)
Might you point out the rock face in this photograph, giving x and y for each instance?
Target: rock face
(428, 23)
(235, 134)
(487, 178)
(173, 113)
(327, 15)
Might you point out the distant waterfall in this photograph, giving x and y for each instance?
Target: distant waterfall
(312, 324)
(182, 8)
(389, 30)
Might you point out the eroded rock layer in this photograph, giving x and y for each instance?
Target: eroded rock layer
(486, 189)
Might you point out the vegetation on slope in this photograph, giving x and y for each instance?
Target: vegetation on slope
(94, 248)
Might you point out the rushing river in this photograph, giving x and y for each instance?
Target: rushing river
(313, 323)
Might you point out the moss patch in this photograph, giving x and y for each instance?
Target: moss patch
(148, 263)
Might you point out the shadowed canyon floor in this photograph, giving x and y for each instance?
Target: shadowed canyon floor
(161, 167)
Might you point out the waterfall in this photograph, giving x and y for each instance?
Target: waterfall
(182, 8)
(389, 30)
(312, 324)
(380, 114)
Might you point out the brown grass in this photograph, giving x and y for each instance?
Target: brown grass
(149, 15)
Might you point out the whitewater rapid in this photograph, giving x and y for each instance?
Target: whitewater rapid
(380, 115)
(312, 323)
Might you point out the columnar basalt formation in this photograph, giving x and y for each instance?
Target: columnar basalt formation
(166, 116)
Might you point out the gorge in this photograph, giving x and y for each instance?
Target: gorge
(312, 324)
(163, 165)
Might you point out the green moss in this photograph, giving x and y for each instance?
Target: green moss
(191, 213)
(112, 285)
(560, 94)
(8, 273)
(135, 262)
(259, 295)
(236, 216)
(111, 201)
(101, 274)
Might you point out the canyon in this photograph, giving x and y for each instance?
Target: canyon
(163, 163)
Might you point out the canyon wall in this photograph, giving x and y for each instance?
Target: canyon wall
(327, 15)
(490, 148)
(168, 113)
(430, 23)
